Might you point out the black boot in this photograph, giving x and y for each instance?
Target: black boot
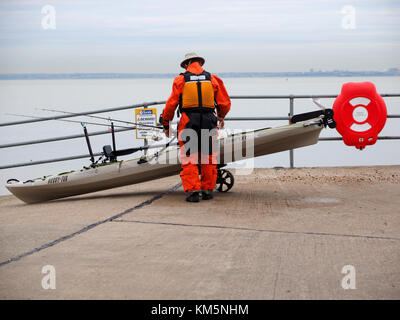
(193, 197)
(207, 195)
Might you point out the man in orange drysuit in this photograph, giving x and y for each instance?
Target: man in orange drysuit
(198, 94)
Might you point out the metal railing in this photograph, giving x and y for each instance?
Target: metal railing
(291, 99)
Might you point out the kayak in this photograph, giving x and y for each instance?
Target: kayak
(163, 163)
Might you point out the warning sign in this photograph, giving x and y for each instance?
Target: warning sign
(145, 119)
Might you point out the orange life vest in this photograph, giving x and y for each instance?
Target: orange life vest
(198, 92)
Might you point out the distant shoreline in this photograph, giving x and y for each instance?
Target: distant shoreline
(59, 76)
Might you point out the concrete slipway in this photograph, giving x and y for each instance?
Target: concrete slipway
(278, 234)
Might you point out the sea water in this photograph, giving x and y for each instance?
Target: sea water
(26, 97)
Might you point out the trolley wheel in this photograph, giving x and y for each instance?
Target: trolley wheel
(225, 180)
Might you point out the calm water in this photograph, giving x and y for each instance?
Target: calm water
(24, 97)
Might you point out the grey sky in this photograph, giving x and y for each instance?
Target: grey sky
(151, 36)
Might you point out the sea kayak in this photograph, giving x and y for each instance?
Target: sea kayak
(163, 163)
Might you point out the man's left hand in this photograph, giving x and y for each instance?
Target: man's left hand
(167, 132)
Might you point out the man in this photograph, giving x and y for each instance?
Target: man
(199, 94)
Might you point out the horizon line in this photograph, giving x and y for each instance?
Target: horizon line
(127, 75)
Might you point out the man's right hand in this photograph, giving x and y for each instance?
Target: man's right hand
(221, 122)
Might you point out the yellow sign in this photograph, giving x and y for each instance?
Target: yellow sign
(145, 119)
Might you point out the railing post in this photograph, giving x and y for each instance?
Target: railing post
(291, 111)
(146, 143)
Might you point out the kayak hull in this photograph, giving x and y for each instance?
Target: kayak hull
(163, 164)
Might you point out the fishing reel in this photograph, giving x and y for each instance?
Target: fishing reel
(108, 152)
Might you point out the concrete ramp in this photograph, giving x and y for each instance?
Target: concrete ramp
(278, 234)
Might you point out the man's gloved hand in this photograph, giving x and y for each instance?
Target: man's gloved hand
(221, 122)
(160, 120)
(165, 124)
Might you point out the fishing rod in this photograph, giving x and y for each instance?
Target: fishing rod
(110, 153)
(99, 117)
(64, 120)
(124, 152)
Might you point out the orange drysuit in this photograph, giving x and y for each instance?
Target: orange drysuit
(199, 94)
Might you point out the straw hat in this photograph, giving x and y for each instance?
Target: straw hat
(190, 56)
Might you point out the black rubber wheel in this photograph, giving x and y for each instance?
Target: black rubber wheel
(225, 181)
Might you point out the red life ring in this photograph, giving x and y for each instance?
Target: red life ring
(360, 114)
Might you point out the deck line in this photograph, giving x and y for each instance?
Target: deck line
(261, 230)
